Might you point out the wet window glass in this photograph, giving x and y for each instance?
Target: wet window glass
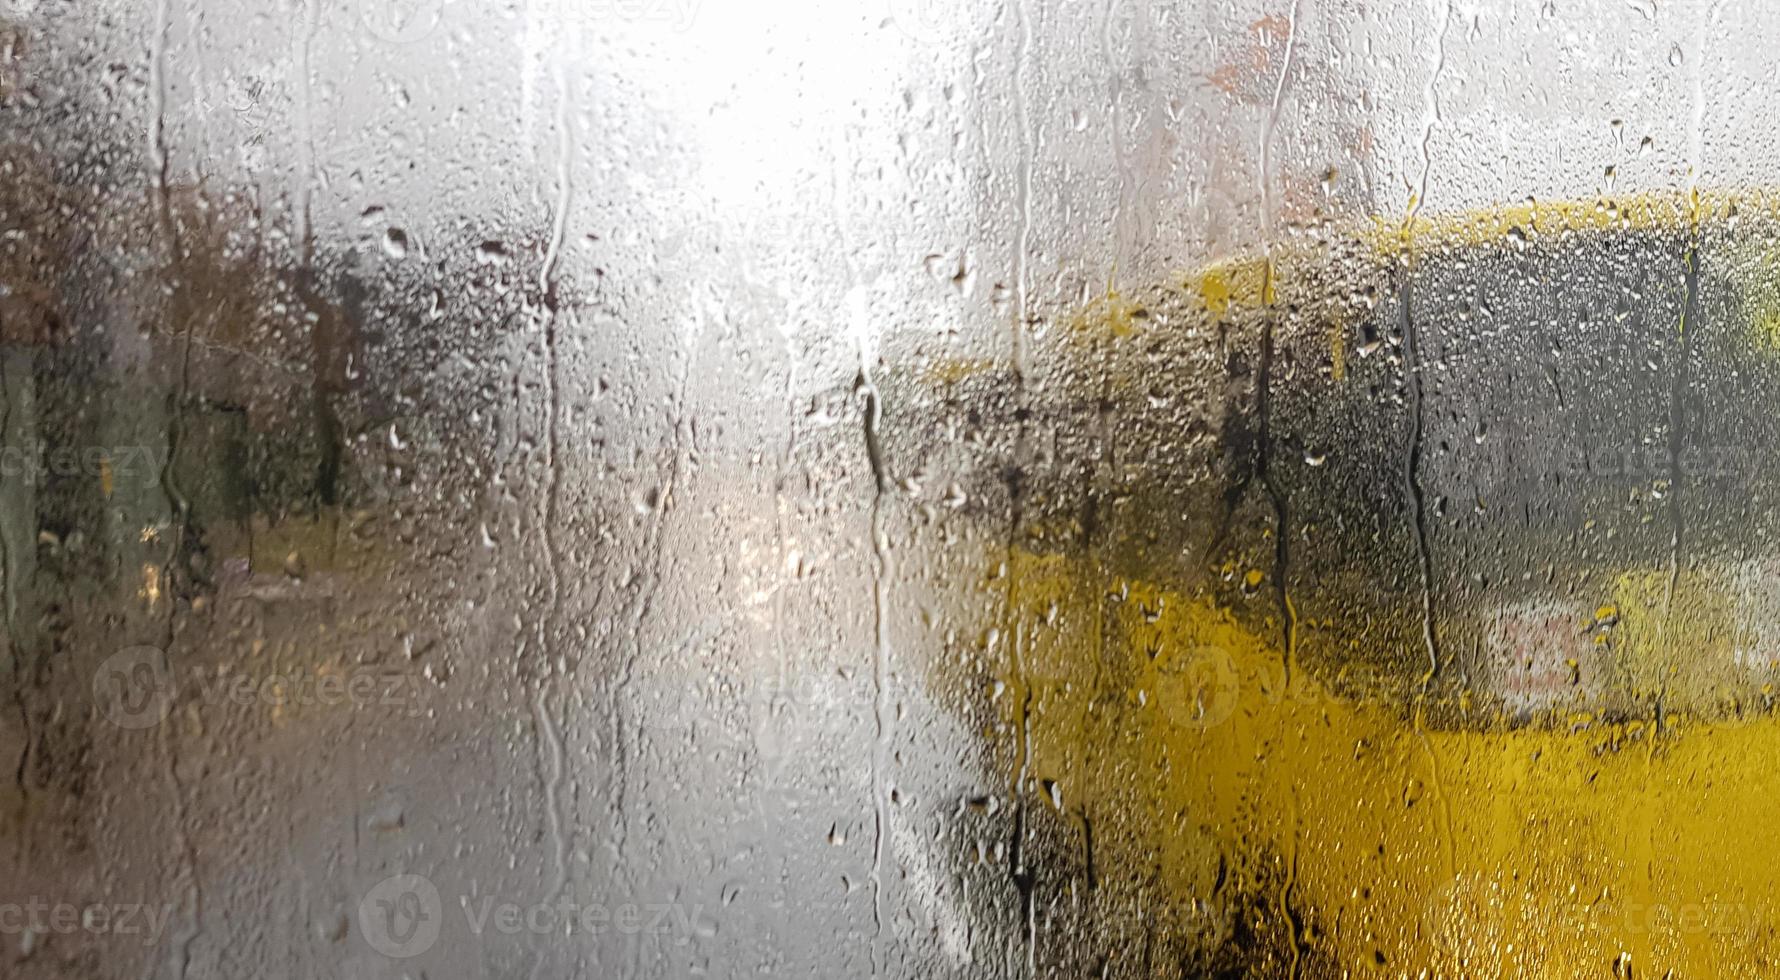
(669, 488)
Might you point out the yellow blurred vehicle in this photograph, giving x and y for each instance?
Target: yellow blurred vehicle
(1405, 598)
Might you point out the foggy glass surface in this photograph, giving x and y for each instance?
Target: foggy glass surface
(664, 488)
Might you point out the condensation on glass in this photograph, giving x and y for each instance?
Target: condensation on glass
(659, 488)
